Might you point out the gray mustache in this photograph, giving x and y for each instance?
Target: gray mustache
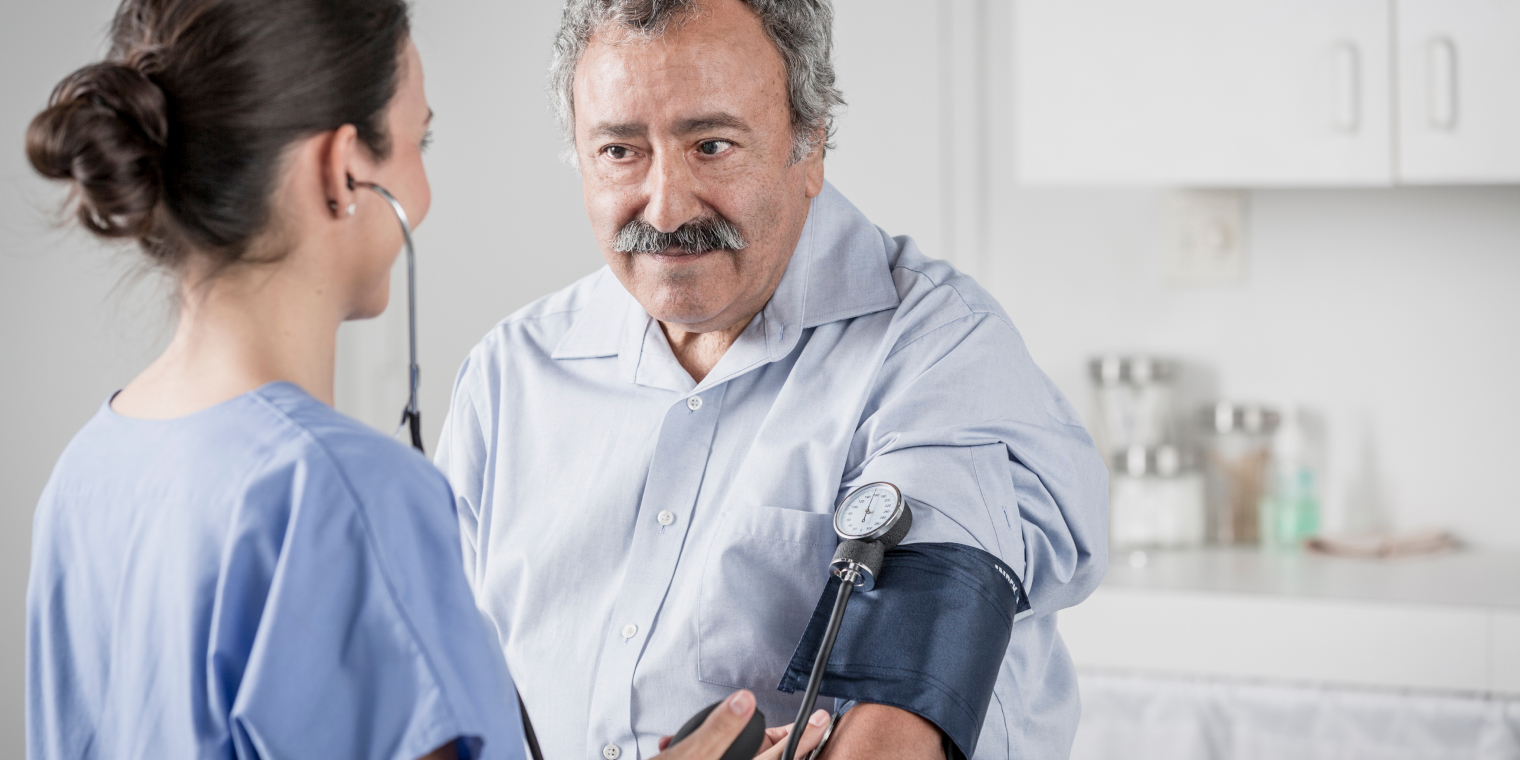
(710, 233)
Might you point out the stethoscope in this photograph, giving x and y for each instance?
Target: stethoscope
(411, 416)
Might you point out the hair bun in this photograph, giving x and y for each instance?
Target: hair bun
(105, 129)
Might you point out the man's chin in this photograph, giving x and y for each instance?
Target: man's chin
(682, 306)
(692, 290)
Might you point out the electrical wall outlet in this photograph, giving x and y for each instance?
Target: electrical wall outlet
(1205, 238)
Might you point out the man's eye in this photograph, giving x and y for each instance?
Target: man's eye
(615, 152)
(713, 147)
(427, 140)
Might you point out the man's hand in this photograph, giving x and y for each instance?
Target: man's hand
(877, 731)
(723, 725)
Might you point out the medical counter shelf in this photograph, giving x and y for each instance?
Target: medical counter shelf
(1444, 622)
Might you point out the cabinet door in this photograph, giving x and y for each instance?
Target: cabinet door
(1459, 91)
(1203, 92)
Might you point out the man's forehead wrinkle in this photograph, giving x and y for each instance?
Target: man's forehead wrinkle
(711, 121)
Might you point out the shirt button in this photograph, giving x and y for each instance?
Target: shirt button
(628, 632)
(694, 403)
(611, 752)
(666, 517)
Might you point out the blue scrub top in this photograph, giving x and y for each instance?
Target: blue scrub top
(263, 578)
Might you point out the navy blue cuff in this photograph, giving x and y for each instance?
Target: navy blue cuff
(929, 639)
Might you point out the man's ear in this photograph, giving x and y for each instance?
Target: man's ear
(812, 164)
(338, 156)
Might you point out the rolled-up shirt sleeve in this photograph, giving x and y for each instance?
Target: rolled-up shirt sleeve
(989, 454)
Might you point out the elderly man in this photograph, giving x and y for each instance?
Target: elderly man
(646, 462)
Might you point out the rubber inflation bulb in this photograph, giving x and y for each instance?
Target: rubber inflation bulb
(744, 748)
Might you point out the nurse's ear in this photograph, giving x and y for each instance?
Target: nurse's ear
(339, 153)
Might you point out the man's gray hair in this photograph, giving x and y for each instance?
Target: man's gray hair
(802, 31)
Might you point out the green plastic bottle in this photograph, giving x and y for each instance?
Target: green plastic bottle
(1289, 512)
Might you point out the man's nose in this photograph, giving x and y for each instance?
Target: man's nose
(672, 193)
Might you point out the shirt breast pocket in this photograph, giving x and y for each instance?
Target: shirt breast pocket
(763, 574)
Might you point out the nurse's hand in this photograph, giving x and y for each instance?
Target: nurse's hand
(723, 725)
(775, 738)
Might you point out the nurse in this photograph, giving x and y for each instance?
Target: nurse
(222, 564)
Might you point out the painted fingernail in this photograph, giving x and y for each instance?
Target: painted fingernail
(741, 702)
(819, 718)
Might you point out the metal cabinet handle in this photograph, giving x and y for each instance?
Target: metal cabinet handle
(1347, 78)
(1442, 58)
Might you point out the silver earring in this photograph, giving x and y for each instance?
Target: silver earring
(332, 206)
(351, 209)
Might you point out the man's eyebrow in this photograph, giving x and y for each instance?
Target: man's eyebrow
(618, 130)
(429, 119)
(711, 121)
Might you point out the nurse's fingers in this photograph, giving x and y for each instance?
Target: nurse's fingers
(778, 734)
(722, 727)
(810, 737)
(773, 735)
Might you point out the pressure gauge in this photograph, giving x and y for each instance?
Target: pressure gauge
(869, 512)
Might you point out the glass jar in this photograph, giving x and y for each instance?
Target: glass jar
(1236, 463)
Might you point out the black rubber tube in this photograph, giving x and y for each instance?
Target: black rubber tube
(815, 681)
(530, 737)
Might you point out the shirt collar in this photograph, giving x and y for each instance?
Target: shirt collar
(840, 270)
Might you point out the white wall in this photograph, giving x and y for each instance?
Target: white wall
(69, 335)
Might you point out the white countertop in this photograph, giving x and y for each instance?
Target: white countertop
(1447, 622)
(1472, 578)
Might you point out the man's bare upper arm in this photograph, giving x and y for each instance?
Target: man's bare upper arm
(877, 731)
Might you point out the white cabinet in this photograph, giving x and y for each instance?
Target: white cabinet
(1458, 91)
(1203, 92)
(1260, 94)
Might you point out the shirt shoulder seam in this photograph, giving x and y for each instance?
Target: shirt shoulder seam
(953, 289)
(975, 315)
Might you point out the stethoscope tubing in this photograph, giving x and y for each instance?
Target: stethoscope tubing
(412, 416)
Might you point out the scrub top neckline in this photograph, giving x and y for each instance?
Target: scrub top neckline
(262, 390)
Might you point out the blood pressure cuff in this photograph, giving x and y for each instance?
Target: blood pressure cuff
(929, 638)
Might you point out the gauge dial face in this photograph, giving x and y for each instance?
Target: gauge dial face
(868, 512)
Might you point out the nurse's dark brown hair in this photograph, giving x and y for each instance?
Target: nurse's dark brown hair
(177, 138)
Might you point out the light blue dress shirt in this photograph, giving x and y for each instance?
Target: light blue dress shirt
(265, 578)
(644, 544)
